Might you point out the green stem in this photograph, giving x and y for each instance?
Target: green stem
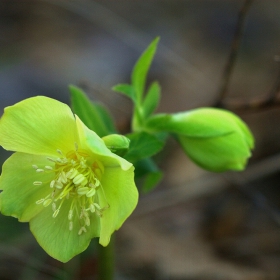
(106, 261)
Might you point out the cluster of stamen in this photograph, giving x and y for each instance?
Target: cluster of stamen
(76, 179)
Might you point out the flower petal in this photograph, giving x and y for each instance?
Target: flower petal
(38, 125)
(90, 141)
(121, 194)
(217, 154)
(54, 236)
(19, 195)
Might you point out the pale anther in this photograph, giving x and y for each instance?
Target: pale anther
(48, 167)
(70, 214)
(55, 213)
(97, 206)
(40, 170)
(60, 152)
(63, 177)
(83, 190)
(87, 220)
(51, 159)
(92, 208)
(79, 179)
(96, 182)
(53, 207)
(82, 229)
(58, 185)
(72, 173)
(70, 225)
(47, 202)
(35, 166)
(40, 201)
(52, 183)
(37, 183)
(91, 193)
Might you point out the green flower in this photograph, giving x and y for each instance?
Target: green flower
(62, 179)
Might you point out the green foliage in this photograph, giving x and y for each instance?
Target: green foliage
(143, 145)
(94, 115)
(140, 70)
(151, 100)
(127, 90)
(149, 173)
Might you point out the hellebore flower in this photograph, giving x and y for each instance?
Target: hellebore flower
(62, 179)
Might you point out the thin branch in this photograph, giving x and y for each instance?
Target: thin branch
(234, 51)
(271, 100)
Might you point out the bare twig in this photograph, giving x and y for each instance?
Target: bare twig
(233, 52)
(271, 100)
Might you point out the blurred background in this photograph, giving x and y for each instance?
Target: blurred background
(195, 225)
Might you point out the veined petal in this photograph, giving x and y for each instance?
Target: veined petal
(90, 141)
(121, 194)
(38, 125)
(55, 237)
(19, 195)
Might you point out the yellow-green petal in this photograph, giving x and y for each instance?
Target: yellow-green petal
(54, 236)
(90, 141)
(38, 125)
(19, 195)
(122, 196)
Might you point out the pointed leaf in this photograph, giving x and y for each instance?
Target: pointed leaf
(106, 117)
(125, 89)
(89, 113)
(141, 68)
(151, 100)
(147, 170)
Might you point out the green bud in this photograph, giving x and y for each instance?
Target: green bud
(118, 144)
(215, 139)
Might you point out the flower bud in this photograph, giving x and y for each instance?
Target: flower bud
(215, 139)
(118, 144)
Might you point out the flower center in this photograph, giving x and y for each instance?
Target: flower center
(77, 179)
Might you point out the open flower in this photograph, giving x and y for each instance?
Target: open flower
(62, 178)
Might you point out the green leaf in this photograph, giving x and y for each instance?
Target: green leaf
(151, 181)
(150, 174)
(142, 145)
(106, 117)
(140, 70)
(125, 89)
(94, 116)
(151, 100)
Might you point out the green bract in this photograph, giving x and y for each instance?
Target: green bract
(62, 178)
